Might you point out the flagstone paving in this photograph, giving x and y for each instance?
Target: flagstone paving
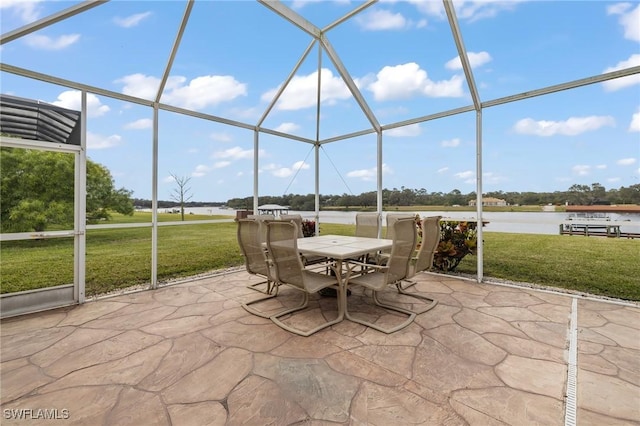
(189, 354)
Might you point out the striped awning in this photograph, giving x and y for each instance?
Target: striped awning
(37, 120)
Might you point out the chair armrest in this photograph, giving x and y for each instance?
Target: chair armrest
(366, 265)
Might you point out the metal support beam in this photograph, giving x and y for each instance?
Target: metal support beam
(286, 83)
(80, 207)
(479, 206)
(256, 146)
(333, 55)
(291, 16)
(49, 20)
(174, 49)
(154, 200)
(462, 52)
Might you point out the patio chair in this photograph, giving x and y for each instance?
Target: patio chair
(383, 257)
(256, 261)
(307, 260)
(282, 243)
(396, 270)
(367, 225)
(391, 219)
(297, 219)
(423, 261)
(261, 218)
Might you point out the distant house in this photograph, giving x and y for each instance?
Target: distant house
(489, 201)
(273, 209)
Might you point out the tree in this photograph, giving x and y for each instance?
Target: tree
(37, 191)
(181, 194)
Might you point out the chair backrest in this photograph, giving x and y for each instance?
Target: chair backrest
(282, 242)
(251, 246)
(404, 244)
(297, 219)
(262, 219)
(429, 244)
(367, 225)
(392, 218)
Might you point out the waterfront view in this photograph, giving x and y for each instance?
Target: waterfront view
(547, 223)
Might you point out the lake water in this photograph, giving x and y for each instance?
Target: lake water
(514, 222)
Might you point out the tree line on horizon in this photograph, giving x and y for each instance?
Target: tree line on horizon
(575, 195)
(37, 193)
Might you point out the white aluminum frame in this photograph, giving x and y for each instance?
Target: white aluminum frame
(319, 38)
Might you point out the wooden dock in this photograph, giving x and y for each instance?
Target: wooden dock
(595, 229)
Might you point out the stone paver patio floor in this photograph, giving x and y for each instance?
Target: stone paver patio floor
(189, 354)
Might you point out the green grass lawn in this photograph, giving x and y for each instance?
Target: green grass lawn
(120, 258)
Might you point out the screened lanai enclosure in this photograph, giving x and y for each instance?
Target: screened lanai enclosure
(298, 97)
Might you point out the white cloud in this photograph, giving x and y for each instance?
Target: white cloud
(380, 19)
(39, 41)
(143, 123)
(26, 11)
(140, 85)
(196, 94)
(626, 162)
(491, 178)
(622, 82)
(571, 127)
(467, 176)
(451, 143)
(369, 174)
(475, 59)
(284, 172)
(96, 141)
(581, 169)
(71, 99)
(301, 92)
(629, 19)
(287, 127)
(200, 170)
(443, 169)
(466, 10)
(236, 153)
(408, 80)
(411, 130)
(601, 166)
(480, 9)
(131, 20)
(221, 137)
(221, 164)
(634, 126)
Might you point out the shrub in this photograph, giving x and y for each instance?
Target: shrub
(457, 239)
(308, 228)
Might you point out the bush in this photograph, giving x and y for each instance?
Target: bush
(457, 239)
(308, 228)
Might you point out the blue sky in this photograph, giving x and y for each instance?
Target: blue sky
(235, 55)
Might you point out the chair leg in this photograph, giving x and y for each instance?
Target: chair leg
(409, 320)
(247, 305)
(268, 290)
(432, 302)
(409, 284)
(305, 302)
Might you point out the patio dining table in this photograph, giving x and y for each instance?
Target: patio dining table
(339, 248)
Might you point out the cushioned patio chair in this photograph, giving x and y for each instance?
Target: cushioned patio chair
(395, 270)
(282, 243)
